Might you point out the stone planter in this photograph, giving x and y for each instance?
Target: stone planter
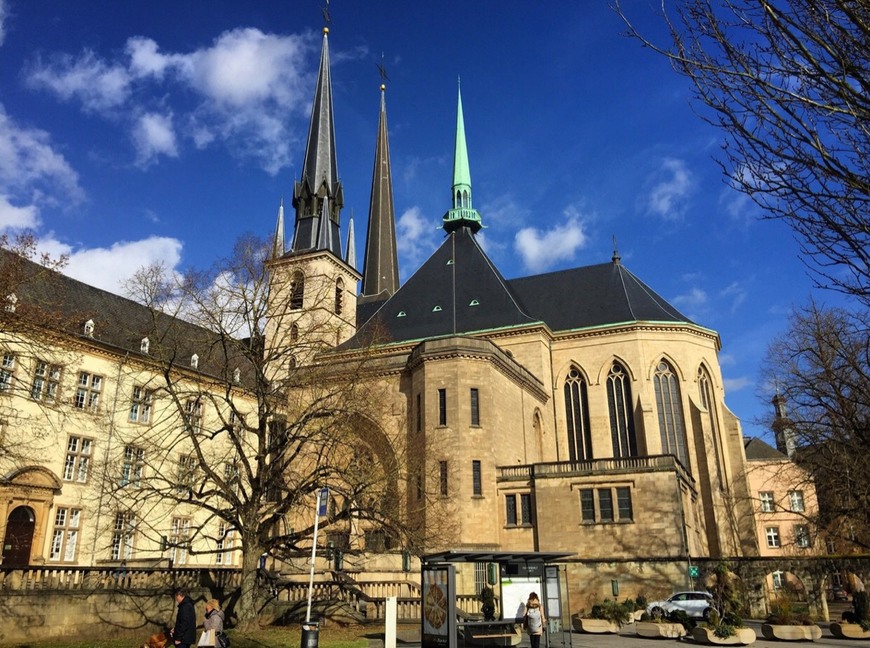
(650, 630)
(791, 632)
(849, 631)
(742, 637)
(594, 626)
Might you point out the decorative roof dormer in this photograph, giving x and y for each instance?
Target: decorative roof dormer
(463, 213)
(88, 328)
(194, 361)
(11, 303)
(144, 345)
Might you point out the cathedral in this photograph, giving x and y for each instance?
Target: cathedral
(575, 412)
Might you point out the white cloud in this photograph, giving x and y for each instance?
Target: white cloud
(506, 212)
(673, 184)
(727, 360)
(695, 298)
(417, 237)
(736, 293)
(110, 268)
(31, 171)
(245, 85)
(541, 250)
(736, 384)
(17, 218)
(97, 85)
(154, 136)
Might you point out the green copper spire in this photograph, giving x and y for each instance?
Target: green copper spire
(463, 213)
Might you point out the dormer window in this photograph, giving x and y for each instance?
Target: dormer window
(11, 301)
(437, 309)
(89, 328)
(194, 361)
(237, 376)
(474, 302)
(144, 345)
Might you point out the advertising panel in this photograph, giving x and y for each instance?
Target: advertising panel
(438, 607)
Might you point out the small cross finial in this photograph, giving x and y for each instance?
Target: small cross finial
(615, 258)
(327, 19)
(382, 70)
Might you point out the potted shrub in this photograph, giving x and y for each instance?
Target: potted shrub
(787, 624)
(855, 624)
(725, 630)
(608, 616)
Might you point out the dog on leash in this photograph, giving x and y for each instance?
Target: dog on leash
(158, 640)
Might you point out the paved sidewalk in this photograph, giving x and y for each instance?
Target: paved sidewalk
(628, 639)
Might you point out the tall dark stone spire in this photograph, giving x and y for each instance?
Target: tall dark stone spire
(381, 266)
(318, 196)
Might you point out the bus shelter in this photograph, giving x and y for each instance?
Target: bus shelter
(513, 575)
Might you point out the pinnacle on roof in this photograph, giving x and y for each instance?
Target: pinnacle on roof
(278, 243)
(318, 196)
(463, 213)
(381, 265)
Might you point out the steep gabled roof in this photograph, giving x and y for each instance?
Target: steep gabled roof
(758, 450)
(457, 290)
(595, 295)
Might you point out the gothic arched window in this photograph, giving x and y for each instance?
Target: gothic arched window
(577, 417)
(297, 290)
(294, 333)
(622, 432)
(705, 386)
(670, 410)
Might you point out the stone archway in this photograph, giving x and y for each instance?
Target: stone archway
(18, 539)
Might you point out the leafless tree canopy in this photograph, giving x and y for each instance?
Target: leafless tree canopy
(788, 82)
(821, 366)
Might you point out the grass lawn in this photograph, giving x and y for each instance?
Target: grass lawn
(331, 636)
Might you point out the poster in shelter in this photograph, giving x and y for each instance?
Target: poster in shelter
(438, 607)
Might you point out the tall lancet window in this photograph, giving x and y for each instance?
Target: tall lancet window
(339, 295)
(670, 409)
(705, 386)
(297, 290)
(577, 417)
(622, 432)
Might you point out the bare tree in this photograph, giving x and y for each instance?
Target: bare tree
(250, 421)
(821, 368)
(788, 82)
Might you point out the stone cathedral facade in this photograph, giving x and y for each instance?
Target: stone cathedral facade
(575, 411)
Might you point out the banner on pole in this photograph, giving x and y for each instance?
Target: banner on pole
(322, 501)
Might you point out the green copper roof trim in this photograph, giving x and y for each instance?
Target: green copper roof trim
(463, 213)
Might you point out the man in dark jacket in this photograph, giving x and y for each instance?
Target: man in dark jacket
(184, 632)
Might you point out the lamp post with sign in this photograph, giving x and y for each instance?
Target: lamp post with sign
(309, 630)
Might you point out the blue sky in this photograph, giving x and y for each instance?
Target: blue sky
(161, 130)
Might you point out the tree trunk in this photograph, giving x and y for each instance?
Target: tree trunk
(246, 608)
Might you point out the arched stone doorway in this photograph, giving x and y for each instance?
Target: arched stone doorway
(18, 540)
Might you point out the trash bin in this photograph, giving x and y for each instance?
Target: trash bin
(310, 631)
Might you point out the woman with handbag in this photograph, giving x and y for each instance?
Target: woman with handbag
(214, 622)
(534, 620)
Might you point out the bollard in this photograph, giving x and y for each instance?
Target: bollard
(310, 631)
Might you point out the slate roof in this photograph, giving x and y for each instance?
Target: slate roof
(53, 299)
(758, 450)
(570, 299)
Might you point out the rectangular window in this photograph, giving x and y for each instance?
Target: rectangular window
(510, 510)
(476, 483)
(623, 503)
(193, 415)
(231, 475)
(776, 577)
(442, 407)
(78, 459)
(772, 535)
(587, 505)
(475, 407)
(122, 535)
(64, 539)
(46, 378)
(796, 501)
(7, 370)
(419, 413)
(526, 508)
(140, 408)
(224, 544)
(802, 536)
(185, 475)
(767, 502)
(442, 469)
(131, 468)
(88, 391)
(179, 540)
(605, 504)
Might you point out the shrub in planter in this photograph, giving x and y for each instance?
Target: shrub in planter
(612, 611)
(682, 617)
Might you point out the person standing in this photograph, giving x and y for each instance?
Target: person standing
(214, 620)
(534, 620)
(184, 632)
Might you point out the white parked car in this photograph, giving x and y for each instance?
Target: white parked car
(695, 604)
